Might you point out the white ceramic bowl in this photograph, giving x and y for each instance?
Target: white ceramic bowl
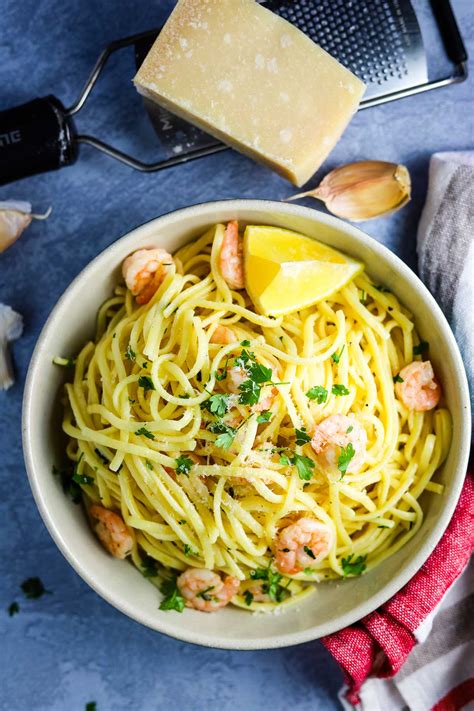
(335, 604)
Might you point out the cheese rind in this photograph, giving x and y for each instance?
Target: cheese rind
(248, 77)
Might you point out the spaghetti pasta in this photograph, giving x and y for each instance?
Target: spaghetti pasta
(206, 445)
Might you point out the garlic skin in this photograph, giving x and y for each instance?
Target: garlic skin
(11, 328)
(363, 190)
(15, 216)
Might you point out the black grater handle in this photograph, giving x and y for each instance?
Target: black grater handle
(449, 29)
(34, 138)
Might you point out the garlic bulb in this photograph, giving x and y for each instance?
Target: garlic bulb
(15, 216)
(11, 328)
(363, 190)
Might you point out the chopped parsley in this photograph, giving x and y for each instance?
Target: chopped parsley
(225, 432)
(271, 586)
(397, 379)
(188, 550)
(339, 389)
(182, 522)
(221, 374)
(149, 567)
(216, 404)
(243, 360)
(304, 466)
(318, 393)
(347, 453)
(354, 567)
(421, 348)
(130, 353)
(82, 479)
(65, 362)
(309, 552)
(205, 593)
(302, 437)
(246, 343)
(101, 456)
(149, 465)
(173, 600)
(308, 571)
(70, 487)
(145, 382)
(13, 609)
(363, 298)
(249, 392)
(349, 429)
(284, 459)
(336, 357)
(382, 289)
(183, 464)
(33, 588)
(248, 597)
(264, 416)
(145, 433)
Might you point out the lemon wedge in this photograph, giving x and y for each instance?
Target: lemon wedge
(286, 271)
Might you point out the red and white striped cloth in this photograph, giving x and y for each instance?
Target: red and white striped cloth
(437, 673)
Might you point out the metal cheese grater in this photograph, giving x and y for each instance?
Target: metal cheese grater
(379, 40)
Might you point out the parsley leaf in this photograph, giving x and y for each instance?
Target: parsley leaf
(308, 571)
(33, 588)
(130, 353)
(363, 298)
(336, 357)
(271, 586)
(146, 433)
(221, 374)
(304, 466)
(205, 593)
(248, 597)
(217, 404)
(70, 487)
(13, 609)
(397, 379)
(302, 437)
(318, 393)
(188, 549)
(149, 567)
(172, 600)
(149, 465)
(284, 459)
(249, 392)
(309, 552)
(183, 464)
(354, 567)
(345, 457)
(243, 360)
(245, 343)
(349, 429)
(265, 416)
(259, 574)
(339, 389)
(224, 441)
(421, 348)
(260, 373)
(82, 478)
(145, 382)
(101, 456)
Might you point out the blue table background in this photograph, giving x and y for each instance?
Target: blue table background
(71, 647)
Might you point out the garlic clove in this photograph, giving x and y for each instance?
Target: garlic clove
(15, 216)
(363, 190)
(11, 328)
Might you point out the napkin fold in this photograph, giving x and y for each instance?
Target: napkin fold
(405, 666)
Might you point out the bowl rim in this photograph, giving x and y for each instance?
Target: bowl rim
(371, 603)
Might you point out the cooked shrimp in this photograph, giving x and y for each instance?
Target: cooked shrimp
(143, 272)
(205, 590)
(266, 399)
(331, 435)
(419, 390)
(231, 261)
(112, 531)
(302, 544)
(235, 377)
(223, 336)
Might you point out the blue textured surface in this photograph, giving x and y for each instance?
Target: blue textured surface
(71, 647)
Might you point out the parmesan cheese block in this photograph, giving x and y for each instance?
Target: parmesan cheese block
(250, 78)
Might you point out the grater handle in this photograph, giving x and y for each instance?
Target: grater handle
(449, 29)
(34, 138)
